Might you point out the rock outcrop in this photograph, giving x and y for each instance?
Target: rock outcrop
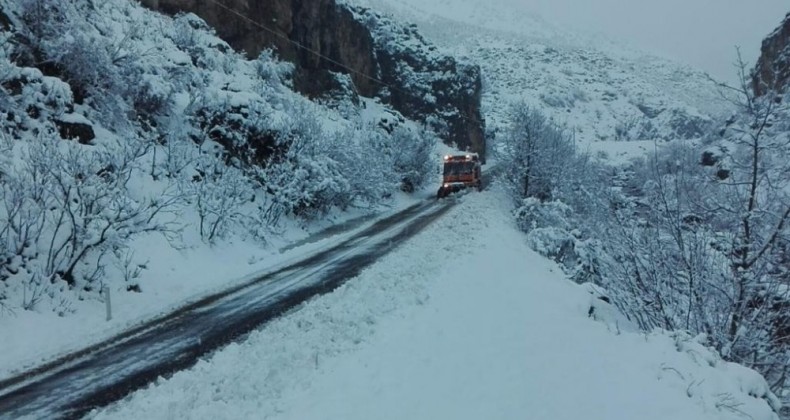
(300, 32)
(75, 129)
(323, 38)
(5, 22)
(772, 71)
(428, 86)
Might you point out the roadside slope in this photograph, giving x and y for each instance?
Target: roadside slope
(464, 321)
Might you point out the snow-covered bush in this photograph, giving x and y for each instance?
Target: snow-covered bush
(364, 163)
(411, 153)
(536, 153)
(172, 121)
(273, 71)
(32, 99)
(188, 35)
(219, 192)
(320, 169)
(699, 249)
(533, 214)
(242, 126)
(555, 192)
(202, 48)
(67, 207)
(552, 230)
(149, 97)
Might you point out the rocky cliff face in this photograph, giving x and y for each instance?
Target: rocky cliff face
(772, 71)
(318, 25)
(427, 86)
(316, 35)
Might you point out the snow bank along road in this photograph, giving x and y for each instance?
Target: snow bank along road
(74, 384)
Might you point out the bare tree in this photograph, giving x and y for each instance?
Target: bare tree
(537, 153)
(759, 206)
(704, 249)
(89, 208)
(219, 192)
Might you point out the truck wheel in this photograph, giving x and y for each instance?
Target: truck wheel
(441, 193)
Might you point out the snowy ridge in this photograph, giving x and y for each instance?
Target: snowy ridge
(486, 333)
(602, 90)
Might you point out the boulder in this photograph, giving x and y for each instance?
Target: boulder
(73, 129)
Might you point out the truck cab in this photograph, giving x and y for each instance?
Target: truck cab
(460, 172)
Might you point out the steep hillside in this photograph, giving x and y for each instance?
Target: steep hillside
(381, 57)
(773, 67)
(317, 25)
(601, 90)
(121, 127)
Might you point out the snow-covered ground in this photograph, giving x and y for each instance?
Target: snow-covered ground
(174, 278)
(463, 321)
(169, 274)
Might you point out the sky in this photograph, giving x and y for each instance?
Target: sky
(702, 33)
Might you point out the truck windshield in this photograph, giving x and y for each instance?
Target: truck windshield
(458, 168)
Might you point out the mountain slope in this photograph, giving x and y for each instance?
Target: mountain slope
(340, 50)
(141, 156)
(599, 89)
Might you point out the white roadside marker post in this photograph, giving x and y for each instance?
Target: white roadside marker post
(107, 302)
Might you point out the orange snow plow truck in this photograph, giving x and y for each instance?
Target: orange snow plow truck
(460, 172)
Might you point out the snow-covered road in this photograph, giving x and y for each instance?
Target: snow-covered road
(106, 372)
(462, 322)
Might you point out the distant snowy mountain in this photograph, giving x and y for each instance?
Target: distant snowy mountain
(602, 90)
